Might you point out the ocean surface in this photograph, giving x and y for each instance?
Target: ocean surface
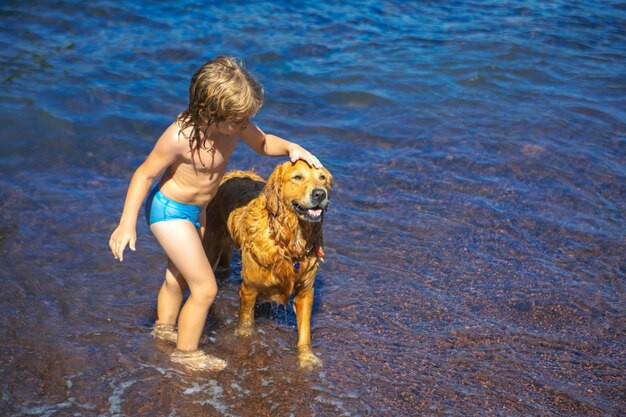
(475, 244)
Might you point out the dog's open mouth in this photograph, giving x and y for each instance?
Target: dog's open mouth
(310, 214)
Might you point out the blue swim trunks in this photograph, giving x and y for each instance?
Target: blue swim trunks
(160, 208)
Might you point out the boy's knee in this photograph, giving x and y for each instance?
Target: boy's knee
(175, 285)
(205, 295)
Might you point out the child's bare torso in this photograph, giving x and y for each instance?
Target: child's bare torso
(195, 179)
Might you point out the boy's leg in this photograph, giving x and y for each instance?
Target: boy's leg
(183, 246)
(170, 295)
(168, 304)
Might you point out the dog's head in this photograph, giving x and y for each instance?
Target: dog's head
(300, 188)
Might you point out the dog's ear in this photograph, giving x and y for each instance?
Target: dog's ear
(273, 190)
(329, 177)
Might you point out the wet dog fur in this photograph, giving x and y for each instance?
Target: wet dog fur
(277, 228)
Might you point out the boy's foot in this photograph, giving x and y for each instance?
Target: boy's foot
(197, 360)
(169, 333)
(165, 332)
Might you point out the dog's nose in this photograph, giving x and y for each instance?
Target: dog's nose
(318, 195)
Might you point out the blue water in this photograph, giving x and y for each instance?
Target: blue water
(475, 243)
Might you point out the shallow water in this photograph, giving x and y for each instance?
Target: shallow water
(475, 242)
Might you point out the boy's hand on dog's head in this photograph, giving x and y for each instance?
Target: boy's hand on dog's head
(301, 153)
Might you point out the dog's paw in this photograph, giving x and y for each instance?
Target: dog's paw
(244, 330)
(308, 360)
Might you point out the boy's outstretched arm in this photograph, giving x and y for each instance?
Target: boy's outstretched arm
(271, 145)
(167, 148)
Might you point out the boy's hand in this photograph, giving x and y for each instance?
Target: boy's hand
(299, 152)
(119, 239)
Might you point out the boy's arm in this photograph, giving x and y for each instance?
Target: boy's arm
(165, 152)
(271, 145)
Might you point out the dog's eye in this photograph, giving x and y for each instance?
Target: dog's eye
(297, 177)
(323, 177)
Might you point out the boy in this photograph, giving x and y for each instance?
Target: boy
(192, 154)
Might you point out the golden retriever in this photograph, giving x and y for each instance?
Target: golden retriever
(277, 228)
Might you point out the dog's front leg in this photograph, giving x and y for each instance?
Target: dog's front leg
(303, 303)
(247, 297)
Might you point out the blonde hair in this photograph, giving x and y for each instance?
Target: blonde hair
(220, 90)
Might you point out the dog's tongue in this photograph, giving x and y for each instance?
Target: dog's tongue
(315, 212)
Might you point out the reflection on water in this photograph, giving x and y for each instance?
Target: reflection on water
(475, 242)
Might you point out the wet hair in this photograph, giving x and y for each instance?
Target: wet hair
(220, 90)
